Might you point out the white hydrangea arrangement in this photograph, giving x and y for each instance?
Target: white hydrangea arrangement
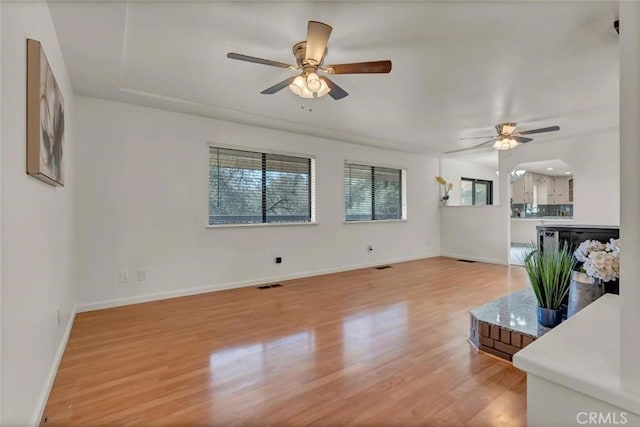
(600, 260)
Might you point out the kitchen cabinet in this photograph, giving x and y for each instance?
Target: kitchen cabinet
(522, 189)
(528, 188)
(542, 188)
(517, 191)
(571, 190)
(559, 194)
(549, 190)
(540, 179)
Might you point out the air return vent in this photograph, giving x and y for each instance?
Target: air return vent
(277, 285)
(465, 260)
(383, 267)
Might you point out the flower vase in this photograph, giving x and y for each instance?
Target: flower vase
(583, 291)
(444, 201)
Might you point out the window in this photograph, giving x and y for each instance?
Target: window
(372, 193)
(247, 187)
(476, 192)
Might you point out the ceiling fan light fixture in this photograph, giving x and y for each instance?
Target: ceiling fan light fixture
(310, 55)
(313, 82)
(503, 143)
(299, 87)
(324, 89)
(309, 86)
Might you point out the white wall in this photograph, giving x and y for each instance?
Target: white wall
(0, 214)
(594, 161)
(630, 206)
(476, 233)
(37, 228)
(454, 170)
(523, 231)
(142, 203)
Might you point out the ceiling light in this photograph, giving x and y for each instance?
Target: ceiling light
(313, 82)
(324, 89)
(505, 143)
(309, 86)
(549, 169)
(298, 86)
(567, 173)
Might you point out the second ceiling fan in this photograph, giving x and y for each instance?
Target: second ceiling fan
(507, 138)
(310, 55)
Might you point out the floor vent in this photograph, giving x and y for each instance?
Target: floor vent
(465, 260)
(383, 267)
(277, 285)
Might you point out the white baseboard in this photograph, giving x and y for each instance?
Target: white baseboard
(475, 258)
(44, 395)
(80, 308)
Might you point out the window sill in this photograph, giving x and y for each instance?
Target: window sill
(469, 206)
(265, 224)
(374, 221)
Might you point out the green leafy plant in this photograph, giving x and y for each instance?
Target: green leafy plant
(550, 275)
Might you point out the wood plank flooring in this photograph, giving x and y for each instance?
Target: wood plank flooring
(365, 347)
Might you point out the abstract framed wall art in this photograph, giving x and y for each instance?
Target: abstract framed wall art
(45, 119)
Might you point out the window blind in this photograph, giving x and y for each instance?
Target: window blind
(358, 197)
(387, 185)
(248, 187)
(372, 193)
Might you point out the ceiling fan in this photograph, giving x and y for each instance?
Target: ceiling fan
(310, 56)
(506, 138)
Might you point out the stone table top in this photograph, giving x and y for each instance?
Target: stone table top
(516, 311)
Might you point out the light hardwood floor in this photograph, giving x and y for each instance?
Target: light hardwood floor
(365, 347)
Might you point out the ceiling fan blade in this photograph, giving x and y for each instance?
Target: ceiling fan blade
(522, 139)
(549, 129)
(477, 137)
(317, 38)
(492, 140)
(383, 66)
(279, 86)
(336, 91)
(247, 58)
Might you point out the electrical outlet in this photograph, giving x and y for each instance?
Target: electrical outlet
(142, 275)
(123, 277)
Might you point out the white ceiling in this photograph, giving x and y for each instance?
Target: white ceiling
(554, 167)
(487, 158)
(458, 67)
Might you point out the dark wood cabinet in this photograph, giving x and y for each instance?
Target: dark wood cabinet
(553, 236)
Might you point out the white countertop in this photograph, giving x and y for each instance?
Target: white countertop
(583, 354)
